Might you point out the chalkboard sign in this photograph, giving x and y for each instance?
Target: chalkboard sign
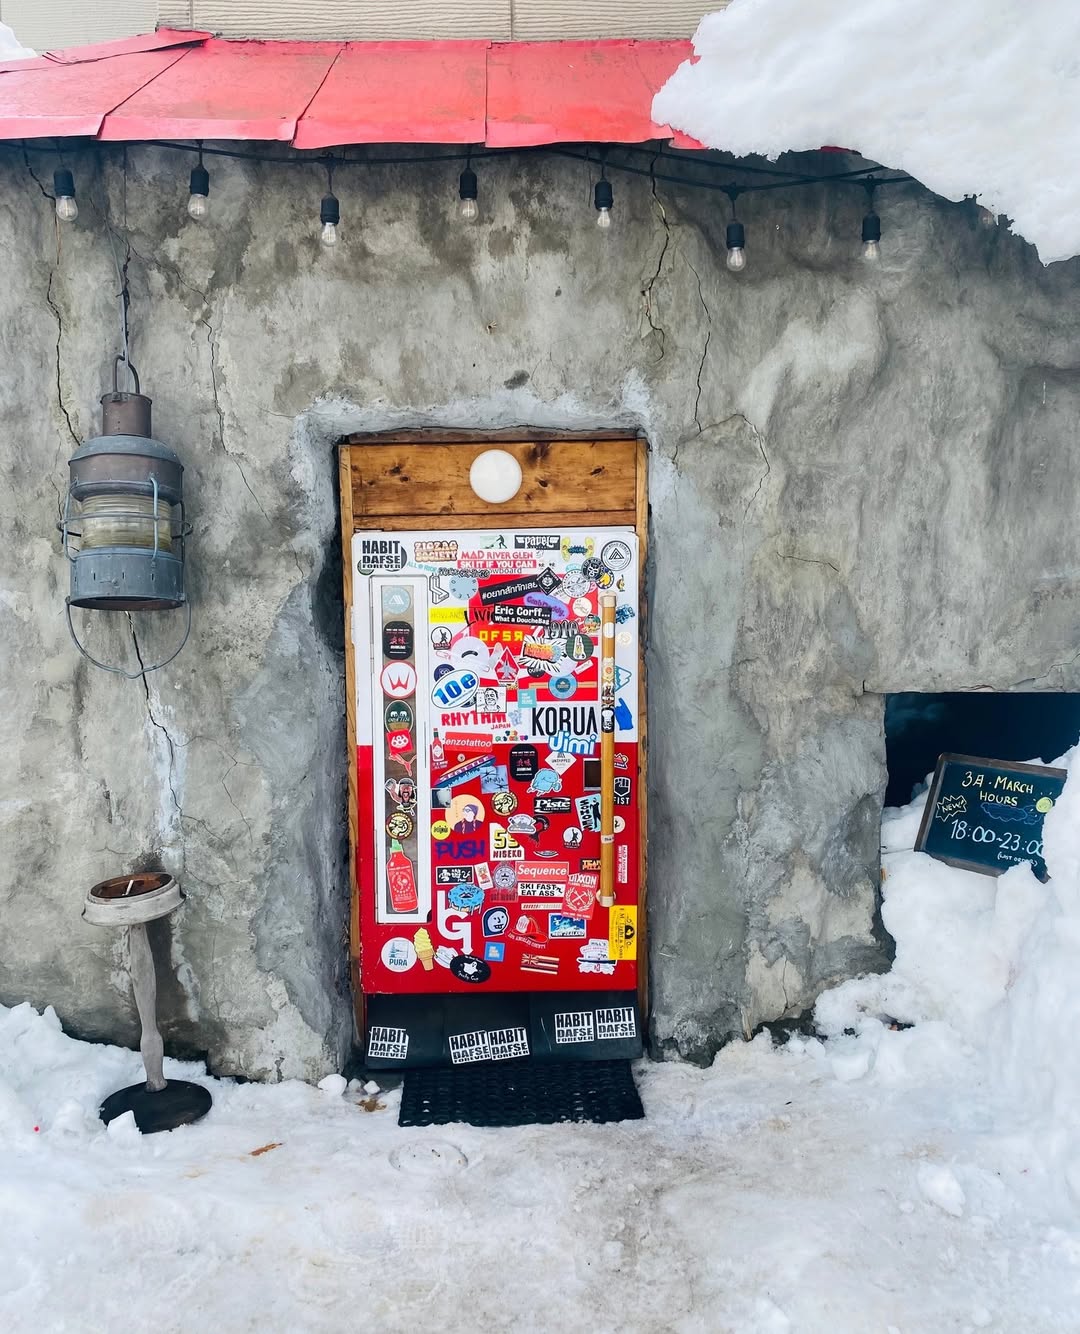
(987, 815)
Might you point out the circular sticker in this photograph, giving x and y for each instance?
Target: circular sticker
(441, 639)
(1044, 804)
(399, 717)
(504, 803)
(604, 579)
(619, 824)
(580, 648)
(398, 954)
(399, 825)
(504, 876)
(616, 555)
(574, 585)
(442, 670)
(590, 625)
(563, 687)
(582, 607)
(623, 638)
(398, 680)
(440, 830)
(468, 968)
(466, 814)
(591, 569)
(397, 599)
(572, 837)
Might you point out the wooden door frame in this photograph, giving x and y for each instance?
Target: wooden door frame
(635, 514)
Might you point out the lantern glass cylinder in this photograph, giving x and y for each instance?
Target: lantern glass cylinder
(124, 521)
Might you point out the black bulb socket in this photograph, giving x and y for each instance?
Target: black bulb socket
(200, 181)
(64, 184)
(735, 238)
(602, 195)
(329, 210)
(467, 184)
(871, 228)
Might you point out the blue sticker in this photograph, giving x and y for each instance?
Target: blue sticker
(546, 780)
(526, 698)
(562, 687)
(623, 717)
(494, 951)
(496, 920)
(466, 898)
(463, 587)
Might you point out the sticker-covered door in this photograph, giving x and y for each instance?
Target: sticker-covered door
(488, 689)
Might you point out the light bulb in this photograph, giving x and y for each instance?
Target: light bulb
(604, 201)
(735, 240)
(871, 237)
(467, 189)
(198, 205)
(67, 210)
(871, 251)
(329, 216)
(495, 476)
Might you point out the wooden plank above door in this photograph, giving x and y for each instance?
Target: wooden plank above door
(559, 476)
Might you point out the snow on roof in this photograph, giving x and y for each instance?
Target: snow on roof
(10, 46)
(972, 97)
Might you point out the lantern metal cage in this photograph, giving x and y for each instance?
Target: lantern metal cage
(124, 526)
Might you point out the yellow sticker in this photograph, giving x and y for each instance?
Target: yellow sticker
(622, 932)
(1043, 805)
(440, 615)
(440, 830)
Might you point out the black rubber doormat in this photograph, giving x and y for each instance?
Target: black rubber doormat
(521, 1093)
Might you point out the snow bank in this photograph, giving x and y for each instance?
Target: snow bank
(973, 97)
(985, 975)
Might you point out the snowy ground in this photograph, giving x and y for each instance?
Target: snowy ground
(921, 1180)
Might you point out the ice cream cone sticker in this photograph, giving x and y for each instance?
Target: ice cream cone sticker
(424, 951)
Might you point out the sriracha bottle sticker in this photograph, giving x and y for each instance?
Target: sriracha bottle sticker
(402, 881)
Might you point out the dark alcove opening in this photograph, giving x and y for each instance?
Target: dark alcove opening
(1010, 725)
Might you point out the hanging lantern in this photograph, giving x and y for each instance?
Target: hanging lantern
(125, 512)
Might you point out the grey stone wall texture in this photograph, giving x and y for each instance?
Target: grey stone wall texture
(861, 481)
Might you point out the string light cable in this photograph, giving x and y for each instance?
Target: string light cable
(704, 171)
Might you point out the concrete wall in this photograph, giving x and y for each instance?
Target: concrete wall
(861, 481)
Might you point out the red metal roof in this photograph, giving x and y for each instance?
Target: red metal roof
(189, 85)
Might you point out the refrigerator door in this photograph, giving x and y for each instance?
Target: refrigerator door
(490, 702)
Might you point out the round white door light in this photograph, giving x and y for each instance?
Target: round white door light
(495, 476)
